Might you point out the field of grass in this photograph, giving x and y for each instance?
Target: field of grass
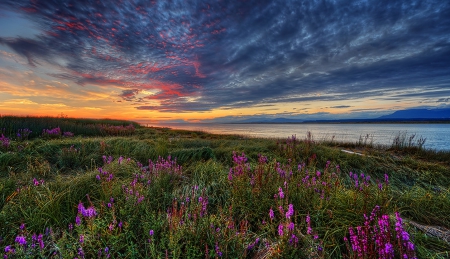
(161, 193)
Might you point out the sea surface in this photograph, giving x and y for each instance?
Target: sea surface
(437, 136)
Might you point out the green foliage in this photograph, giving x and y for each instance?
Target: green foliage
(161, 193)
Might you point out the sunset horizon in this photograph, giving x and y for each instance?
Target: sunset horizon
(224, 61)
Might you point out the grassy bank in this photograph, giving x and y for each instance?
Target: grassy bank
(161, 193)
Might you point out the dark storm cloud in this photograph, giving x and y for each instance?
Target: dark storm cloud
(243, 53)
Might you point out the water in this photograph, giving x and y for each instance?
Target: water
(437, 135)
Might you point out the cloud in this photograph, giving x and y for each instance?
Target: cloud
(212, 55)
(341, 106)
(18, 102)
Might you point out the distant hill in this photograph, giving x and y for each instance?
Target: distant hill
(407, 116)
(419, 114)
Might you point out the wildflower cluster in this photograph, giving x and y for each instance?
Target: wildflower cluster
(86, 213)
(360, 182)
(319, 183)
(38, 182)
(68, 134)
(5, 142)
(117, 130)
(51, 133)
(23, 134)
(22, 245)
(377, 239)
(163, 166)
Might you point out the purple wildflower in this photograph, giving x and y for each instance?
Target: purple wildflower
(290, 211)
(291, 226)
(271, 215)
(9, 249)
(77, 220)
(218, 252)
(40, 241)
(280, 229)
(21, 240)
(280, 193)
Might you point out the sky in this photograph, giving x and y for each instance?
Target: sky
(223, 61)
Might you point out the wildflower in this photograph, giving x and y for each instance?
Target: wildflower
(280, 229)
(21, 240)
(33, 241)
(77, 220)
(151, 232)
(280, 193)
(290, 211)
(40, 241)
(271, 215)
(291, 226)
(218, 252)
(293, 240)
(81, 252)
(10, 250)
(308, 223)
(81, 240)
(389, 250)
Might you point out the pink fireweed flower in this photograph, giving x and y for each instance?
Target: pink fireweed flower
(291, 226)
(308, 223)
(293, 240)
(77, 220)
(21, 240)
(290, 211)
(40, 241)
(271, 214)
(280, 229)
(10, 250)
(280, 193)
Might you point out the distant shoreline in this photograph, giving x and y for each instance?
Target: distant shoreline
(356, 121)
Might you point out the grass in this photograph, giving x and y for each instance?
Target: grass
(162, 193)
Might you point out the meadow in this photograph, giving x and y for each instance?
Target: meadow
(73, 188)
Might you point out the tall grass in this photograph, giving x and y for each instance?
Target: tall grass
(12, 125)
(166, 194)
